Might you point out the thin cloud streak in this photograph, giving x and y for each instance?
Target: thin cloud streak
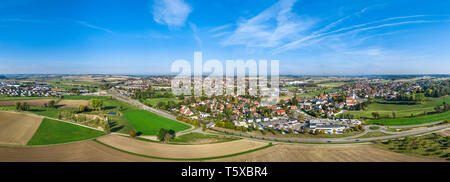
(356, 29)
(220, 28)
(83, 23)
(269, 28)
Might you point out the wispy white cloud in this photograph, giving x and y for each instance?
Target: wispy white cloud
(86, 24)
(353, 29)
(269, 28)
(60, 20)
(220, 34)
(195, 31)
(220, 28)
(171, 12)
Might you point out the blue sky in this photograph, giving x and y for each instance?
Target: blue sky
(332, 37)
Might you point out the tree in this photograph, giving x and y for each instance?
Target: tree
(133, 134)
(24, 107)
(376, 115)
(162, 134)
(97, 104)
(165, 135)
(106, 128)
(438, 109)
(51, 104)
(294, 100)
(82, 108)
(301, 117)
(18, 106)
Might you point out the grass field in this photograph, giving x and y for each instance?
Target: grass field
(412, 121)
(155, 101)
(199, 138)
(70, 84)
(332, 84)
(431, 145)
(400, 110)
(149, 123)
(54, 132)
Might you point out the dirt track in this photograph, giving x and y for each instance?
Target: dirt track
(86, 151)
(17, 128)
(445, 133)
(324, 153)
(180, 151)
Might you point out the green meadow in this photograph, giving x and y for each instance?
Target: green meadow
(412, 121)
(54, 132)
(147, 123)
(401, 110)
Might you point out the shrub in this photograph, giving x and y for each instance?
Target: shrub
(133, 134)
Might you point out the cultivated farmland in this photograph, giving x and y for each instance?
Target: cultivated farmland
(85, 151)
(324, 153)
(31, 102)
(17, 128)
(180, 151)
(72, 103)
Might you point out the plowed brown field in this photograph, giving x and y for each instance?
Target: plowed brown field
(17, 128)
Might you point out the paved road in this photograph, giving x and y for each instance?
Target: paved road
(138, 104)
(338, 140)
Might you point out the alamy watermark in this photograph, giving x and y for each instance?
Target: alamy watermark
(239, 78)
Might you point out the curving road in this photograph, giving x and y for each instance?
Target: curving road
(352, 139)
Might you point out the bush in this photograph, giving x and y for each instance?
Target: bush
(133, 134)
